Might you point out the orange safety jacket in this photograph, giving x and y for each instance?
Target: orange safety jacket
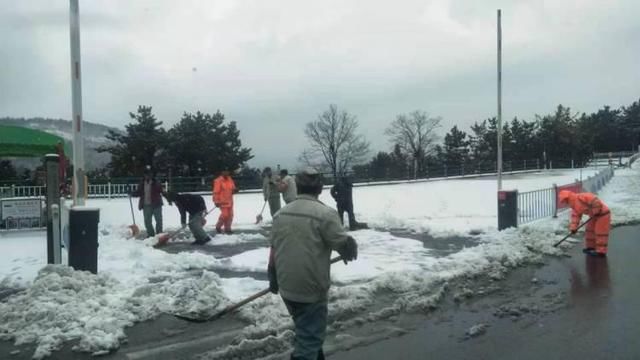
(223, 190)
(585, 204)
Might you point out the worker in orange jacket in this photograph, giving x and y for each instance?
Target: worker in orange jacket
(223, 190)
(596, 236)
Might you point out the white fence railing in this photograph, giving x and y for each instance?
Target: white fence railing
(107, 190)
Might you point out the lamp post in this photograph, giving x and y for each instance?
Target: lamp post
(499, 164)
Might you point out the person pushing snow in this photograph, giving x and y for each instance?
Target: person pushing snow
(270, 190)
(303, 235)
(223, 190)
(596, 235)
(194, 205)
(150, 193)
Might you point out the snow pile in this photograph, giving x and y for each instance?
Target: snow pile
(622, 195)
(63, 304)
(476, 330)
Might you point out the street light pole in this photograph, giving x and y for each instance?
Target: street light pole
(499, 101)
(76, 96)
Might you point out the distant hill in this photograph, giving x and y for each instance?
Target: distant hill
(94, 136)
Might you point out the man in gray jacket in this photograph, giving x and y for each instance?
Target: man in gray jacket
(270, 190)
(287, 186)
(303, 235)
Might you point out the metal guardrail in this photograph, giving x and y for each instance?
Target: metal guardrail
(539, 204)
(536, 204)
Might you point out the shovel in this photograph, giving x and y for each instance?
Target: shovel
(232, 307)
(135, 230)
(566, 237)
(164, 238)
(259, 216)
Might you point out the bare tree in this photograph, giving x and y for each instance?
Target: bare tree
(416, 135)
(335, 144)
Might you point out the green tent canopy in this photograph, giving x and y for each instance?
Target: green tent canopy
(17, 141)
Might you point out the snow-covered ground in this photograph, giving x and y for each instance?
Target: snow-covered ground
(137, 282)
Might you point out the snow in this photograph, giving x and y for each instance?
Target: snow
(137, 282)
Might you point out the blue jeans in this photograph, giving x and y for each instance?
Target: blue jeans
(310, 320)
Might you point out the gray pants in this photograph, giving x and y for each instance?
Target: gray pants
(195, 225)
(310, 320)
(274, 205)
(149, 211)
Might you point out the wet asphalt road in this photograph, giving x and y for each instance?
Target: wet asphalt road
(594, 314)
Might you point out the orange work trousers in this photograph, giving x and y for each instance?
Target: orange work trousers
(225, 219)
(596, 235)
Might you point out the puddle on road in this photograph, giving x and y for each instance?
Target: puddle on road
(441, 246)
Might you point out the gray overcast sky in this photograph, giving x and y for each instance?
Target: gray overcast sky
(274, 65)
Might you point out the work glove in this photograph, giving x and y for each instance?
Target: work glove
(273, 279)
(204, 221)
(349, 250)
(217, 204)
(574, 231)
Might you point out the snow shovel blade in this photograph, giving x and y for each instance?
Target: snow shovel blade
(233, 307)
(163, 239)
(135, 230)
(197, 319)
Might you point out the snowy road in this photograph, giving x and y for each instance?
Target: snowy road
(421, 241)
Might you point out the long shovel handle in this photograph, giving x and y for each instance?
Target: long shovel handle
(237, 305)
(133, 217)
(253, 297)
(566, 237)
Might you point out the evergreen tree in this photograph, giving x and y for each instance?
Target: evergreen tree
(205, 143)
(7, 170)
(602, 130)
(456, 146)
(557, 135)
(525, 140)
(630, 125)
(141, 145)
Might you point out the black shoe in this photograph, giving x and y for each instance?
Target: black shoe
(587, 250)
(201, 242)
(229, 232)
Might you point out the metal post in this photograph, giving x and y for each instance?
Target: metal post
(76, 96)
(499, 100)
(53, 207)
(555, 201)
(572, 163)
(109, 189)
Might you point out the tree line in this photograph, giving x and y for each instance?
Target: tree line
(337, 147)
(202, 144)
(199, 144)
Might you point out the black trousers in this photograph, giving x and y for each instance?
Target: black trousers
(348, 208)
